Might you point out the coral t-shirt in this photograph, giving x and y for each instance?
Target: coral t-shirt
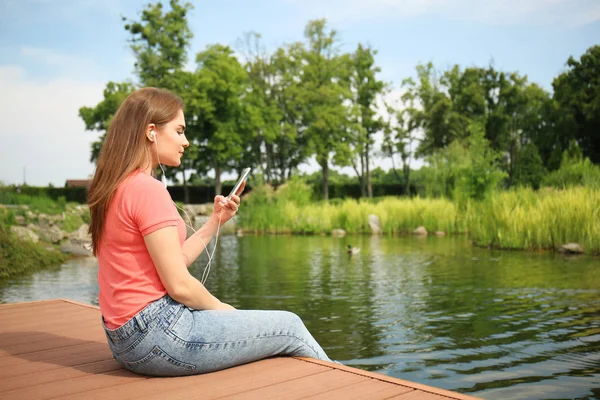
(127, 276)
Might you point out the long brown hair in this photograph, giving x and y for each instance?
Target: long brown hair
(125, 148)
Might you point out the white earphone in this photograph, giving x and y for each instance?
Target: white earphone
(190, 225)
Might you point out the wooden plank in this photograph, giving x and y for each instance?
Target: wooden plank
(208, 386)
(68, 361)
(25, 322)
(240, 379)
(37, 304)
(371, 389)
(53, 354)
(81, 330)
(78, 385)
(77, 303)
(385, 378)
(53, 342)
(57, 348)
(302, 387)
(420, 395)
(57, 375)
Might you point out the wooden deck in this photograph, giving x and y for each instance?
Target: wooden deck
(57, 349)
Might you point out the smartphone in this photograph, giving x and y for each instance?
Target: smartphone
(242, 179)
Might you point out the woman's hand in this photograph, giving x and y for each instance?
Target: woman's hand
(227, 208)
(226, 307)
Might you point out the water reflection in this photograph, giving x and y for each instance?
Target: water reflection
(499, 325)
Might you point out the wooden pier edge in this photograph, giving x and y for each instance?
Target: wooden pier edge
(417, 390)
(389, 379)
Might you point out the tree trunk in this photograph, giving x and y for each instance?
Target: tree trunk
(186, 191)
(360, 176)
(325, 167)
(406, 169)
(269, 162)
(218, 187)
(368, 173)
(396, 174)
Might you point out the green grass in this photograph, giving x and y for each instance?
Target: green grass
(397, 215)
(516, 219)
(37, 204)
(524, 219)
(20, 256)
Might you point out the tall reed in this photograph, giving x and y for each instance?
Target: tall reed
(547, 219)
(515, 219)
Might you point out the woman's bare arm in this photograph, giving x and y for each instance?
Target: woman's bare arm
(166, 252)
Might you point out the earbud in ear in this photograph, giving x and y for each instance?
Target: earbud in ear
(152, 135)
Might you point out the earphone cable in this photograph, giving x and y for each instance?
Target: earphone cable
(206, 271)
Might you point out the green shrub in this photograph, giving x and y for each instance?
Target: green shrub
(7, 218)
(20, 256)
(72, 222)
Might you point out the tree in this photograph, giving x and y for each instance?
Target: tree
(160, 41)
(98, 118)
(291, 147)
(530, 171)
(400, 136)
(325, 88)
(366, 89)
(218, 115)
(466, 169)
(577, 92)
(262, 106)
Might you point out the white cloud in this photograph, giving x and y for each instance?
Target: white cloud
(494, 12)
(41, 129)
(64, 63)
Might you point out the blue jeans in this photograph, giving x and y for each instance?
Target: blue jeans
(167, 338)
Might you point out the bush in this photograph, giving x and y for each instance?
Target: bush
(19, 256)
(574, 171)
(7, 218)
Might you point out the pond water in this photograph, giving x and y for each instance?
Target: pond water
(436, 310)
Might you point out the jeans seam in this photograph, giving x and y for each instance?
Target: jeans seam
(190, 344)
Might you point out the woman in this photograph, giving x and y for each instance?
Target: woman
(158, 318)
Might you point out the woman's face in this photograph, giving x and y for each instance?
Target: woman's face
(171, 141)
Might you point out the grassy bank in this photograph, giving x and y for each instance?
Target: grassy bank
(396, 216)
(19, 256)
(518, 219)
(524, 219)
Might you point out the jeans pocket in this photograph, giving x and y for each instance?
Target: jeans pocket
(159, 363)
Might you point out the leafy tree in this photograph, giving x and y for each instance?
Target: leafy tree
(577, 92)
(575, 170)
(466, 169)
(159, 42)
(291, 147)
(366, 89)
(399, 137)
(530, 171)
(98, 118)
(325, 88)
(480, 175)
(218, 116)
(275, 93)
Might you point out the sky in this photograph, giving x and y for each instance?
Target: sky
(57, 55)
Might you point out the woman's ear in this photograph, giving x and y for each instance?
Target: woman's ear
(151, 132)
